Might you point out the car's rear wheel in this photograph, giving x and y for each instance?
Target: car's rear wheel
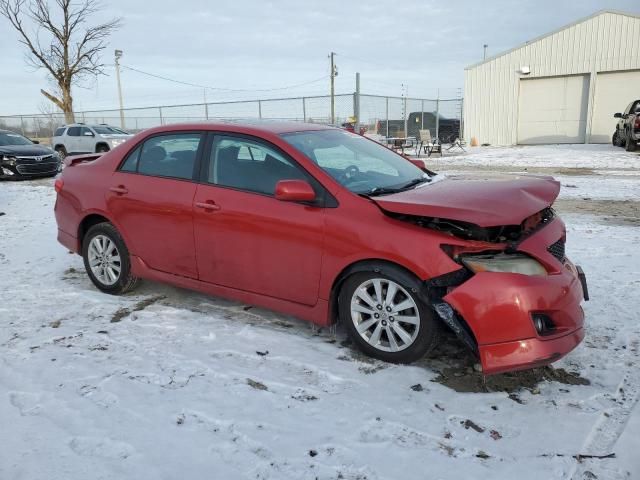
(102, 149)
(62, 152)
(106, 259)
(630, 144)
(385, 318)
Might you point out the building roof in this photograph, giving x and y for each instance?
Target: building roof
(553, 32)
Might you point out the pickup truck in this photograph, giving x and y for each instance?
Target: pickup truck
(448, 128)
(627, 132)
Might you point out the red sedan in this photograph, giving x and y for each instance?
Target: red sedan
(330, 226)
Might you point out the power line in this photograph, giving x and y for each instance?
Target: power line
(161, 77)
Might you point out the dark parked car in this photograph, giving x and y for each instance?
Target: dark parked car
(21, 158)
(327, 225)
(627, 132)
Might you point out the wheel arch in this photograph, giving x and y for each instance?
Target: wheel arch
(102, 144)
(89, 221)
(376, 265)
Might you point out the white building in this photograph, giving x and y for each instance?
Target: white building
(562, 87)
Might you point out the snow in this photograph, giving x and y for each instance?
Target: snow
(189, 386)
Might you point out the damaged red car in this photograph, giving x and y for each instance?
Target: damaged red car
(330, 226)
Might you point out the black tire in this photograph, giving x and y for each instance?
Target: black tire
(102, 149)
(630, 144)
(615, 140)
(428, 333)
(62, 152)
(125, 281)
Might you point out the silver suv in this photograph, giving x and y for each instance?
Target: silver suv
(80, 138)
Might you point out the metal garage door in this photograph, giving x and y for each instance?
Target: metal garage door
(614, 91)
(553, 110)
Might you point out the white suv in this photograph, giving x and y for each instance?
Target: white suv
(80, 138)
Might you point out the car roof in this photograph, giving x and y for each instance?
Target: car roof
(244, 126)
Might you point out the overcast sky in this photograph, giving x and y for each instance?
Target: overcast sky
(257, 45)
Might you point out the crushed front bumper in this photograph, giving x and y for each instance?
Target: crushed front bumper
(499, 308)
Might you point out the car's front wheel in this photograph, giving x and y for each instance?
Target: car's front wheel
(385, 318)
(62, 152)
(106, 259)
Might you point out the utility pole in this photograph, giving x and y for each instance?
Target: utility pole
(334, 74)
(484, 56)
(118, 54)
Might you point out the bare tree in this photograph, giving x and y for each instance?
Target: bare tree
(69, 49)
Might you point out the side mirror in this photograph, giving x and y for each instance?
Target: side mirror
(88, 134)
(617, 115)
(294, 191)
(35, 141)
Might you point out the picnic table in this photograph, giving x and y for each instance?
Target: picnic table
(400, 143)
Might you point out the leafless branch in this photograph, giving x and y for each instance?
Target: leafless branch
(62, 41)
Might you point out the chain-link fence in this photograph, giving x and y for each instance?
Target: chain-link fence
(385, 116)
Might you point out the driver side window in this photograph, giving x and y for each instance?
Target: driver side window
(248, 165)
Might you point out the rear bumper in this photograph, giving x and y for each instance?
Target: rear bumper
(68, 241)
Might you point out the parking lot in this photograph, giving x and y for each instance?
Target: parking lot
(166, 383)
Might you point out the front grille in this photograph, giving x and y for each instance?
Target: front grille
(557, 250)
(34, 159)
(37, 168)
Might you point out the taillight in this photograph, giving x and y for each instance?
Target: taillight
(637, 123)
(58, 185)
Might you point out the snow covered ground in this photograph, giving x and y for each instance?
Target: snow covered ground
(166, 383)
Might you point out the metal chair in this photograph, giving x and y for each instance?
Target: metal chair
(458, 143)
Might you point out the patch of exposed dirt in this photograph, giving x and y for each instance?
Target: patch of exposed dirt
(617, 212)
(141, 305)
(464, 380)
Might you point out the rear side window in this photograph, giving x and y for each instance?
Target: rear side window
(165, 156)
(59, 132)
(73, 131)
(131, 163)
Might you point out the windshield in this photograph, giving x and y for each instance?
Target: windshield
(8, 138)
(359, 164)
(104, 130)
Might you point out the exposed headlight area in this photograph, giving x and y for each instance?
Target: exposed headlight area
(7, 160)
(503, 262)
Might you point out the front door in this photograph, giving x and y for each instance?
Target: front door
(151, 199)
(245, 238)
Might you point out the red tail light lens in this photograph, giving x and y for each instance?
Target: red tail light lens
(637, 123)
(58, 185)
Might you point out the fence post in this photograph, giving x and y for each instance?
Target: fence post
(356, 105)
(260, 109)
(161, 119)
(422, 112)
(438, 116)
(304, 109)
(206, 111)
(387, 116)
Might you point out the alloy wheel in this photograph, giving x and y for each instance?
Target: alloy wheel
(385, 315)
(104, 260)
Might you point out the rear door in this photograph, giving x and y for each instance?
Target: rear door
(71, 140)
(151, 199)
(245, 238)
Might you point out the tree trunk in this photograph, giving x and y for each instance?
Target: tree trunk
(66, 104)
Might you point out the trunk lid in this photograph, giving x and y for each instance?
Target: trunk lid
(484, 200)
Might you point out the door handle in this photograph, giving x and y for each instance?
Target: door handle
(208, 205)
(120, 190)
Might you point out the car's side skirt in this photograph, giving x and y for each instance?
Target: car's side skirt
(317, 314)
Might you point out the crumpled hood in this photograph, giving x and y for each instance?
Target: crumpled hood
(486, 201)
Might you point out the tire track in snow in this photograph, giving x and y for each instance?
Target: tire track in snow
(608, 428)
